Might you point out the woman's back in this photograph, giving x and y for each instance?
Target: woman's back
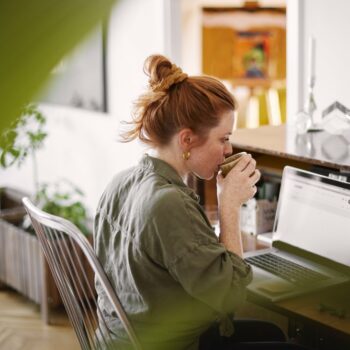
(163, 258)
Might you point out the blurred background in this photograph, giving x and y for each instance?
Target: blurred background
(259, 49)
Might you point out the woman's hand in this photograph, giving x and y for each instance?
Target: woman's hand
(239, 184)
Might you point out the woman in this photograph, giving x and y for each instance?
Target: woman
(174, 277)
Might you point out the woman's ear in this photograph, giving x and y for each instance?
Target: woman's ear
(187, 139)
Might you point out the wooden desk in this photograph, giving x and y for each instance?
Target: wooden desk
(310, 326)
(300, 317)
(307, 310)
(274, 147)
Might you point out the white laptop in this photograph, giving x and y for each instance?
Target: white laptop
(311, 238)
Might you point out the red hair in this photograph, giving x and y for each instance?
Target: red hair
(175, 101)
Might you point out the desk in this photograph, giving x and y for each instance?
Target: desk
(274, 147)
(300, 317)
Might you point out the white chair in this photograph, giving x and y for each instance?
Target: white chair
(63, 244)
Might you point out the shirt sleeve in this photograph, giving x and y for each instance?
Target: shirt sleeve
(185, 244)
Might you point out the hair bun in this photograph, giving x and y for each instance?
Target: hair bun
(162, 73)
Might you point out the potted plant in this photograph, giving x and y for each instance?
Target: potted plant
(21, 263)
(23, 138)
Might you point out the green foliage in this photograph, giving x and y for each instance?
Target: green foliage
(65, 200)
(25, 136)
(35, 35)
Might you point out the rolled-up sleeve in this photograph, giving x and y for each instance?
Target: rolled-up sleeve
(189, 249)
(214, 276)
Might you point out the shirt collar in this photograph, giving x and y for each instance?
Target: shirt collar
(165, 170)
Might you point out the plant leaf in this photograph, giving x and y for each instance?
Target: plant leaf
(35, 35)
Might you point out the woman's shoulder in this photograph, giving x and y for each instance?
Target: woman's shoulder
(115, 188)
(168, 195)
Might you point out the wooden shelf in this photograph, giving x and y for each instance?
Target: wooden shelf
(257, 82)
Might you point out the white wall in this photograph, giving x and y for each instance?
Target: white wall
(328, 22)
(82, 145)
(78, 79)
(138, 29)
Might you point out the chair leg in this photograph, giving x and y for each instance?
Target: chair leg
(44, 305)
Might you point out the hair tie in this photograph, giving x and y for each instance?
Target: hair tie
(176, 75)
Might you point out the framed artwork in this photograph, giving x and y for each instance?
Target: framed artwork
(252, 54)
(240, 43)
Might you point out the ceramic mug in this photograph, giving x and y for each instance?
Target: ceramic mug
(230, 162)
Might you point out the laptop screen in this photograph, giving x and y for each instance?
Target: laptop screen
(314, 214)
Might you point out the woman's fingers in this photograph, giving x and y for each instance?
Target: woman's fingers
(255, 177)
(254, 190)
(243, 162)
(240, 182)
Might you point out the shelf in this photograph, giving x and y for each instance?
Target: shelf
(257, 82)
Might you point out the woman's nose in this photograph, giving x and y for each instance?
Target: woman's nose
(228, 149)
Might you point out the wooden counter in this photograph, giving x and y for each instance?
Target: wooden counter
(316, 148)
(274, 147)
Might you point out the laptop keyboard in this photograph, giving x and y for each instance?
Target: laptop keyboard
(285, 269)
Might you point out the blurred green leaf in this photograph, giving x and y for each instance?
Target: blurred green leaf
(26, 136)
(34, 36)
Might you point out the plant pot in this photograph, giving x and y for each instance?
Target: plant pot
(22, 265)
(11, 211)
(11, 207)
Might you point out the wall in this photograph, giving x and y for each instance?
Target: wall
(327, 21)
(82, 145)
(131, 39)
(78, 78)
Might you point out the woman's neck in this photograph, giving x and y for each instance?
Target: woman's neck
(173, 158)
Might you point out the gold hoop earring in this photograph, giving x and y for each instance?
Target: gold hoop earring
(186, 155)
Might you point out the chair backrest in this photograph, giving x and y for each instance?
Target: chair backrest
(63, 246)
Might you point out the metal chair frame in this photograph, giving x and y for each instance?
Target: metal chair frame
(58, 238)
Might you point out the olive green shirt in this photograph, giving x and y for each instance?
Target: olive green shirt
(163, 258)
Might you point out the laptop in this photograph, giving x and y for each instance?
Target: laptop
(310, 241)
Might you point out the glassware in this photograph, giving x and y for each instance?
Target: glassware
(302, 122)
